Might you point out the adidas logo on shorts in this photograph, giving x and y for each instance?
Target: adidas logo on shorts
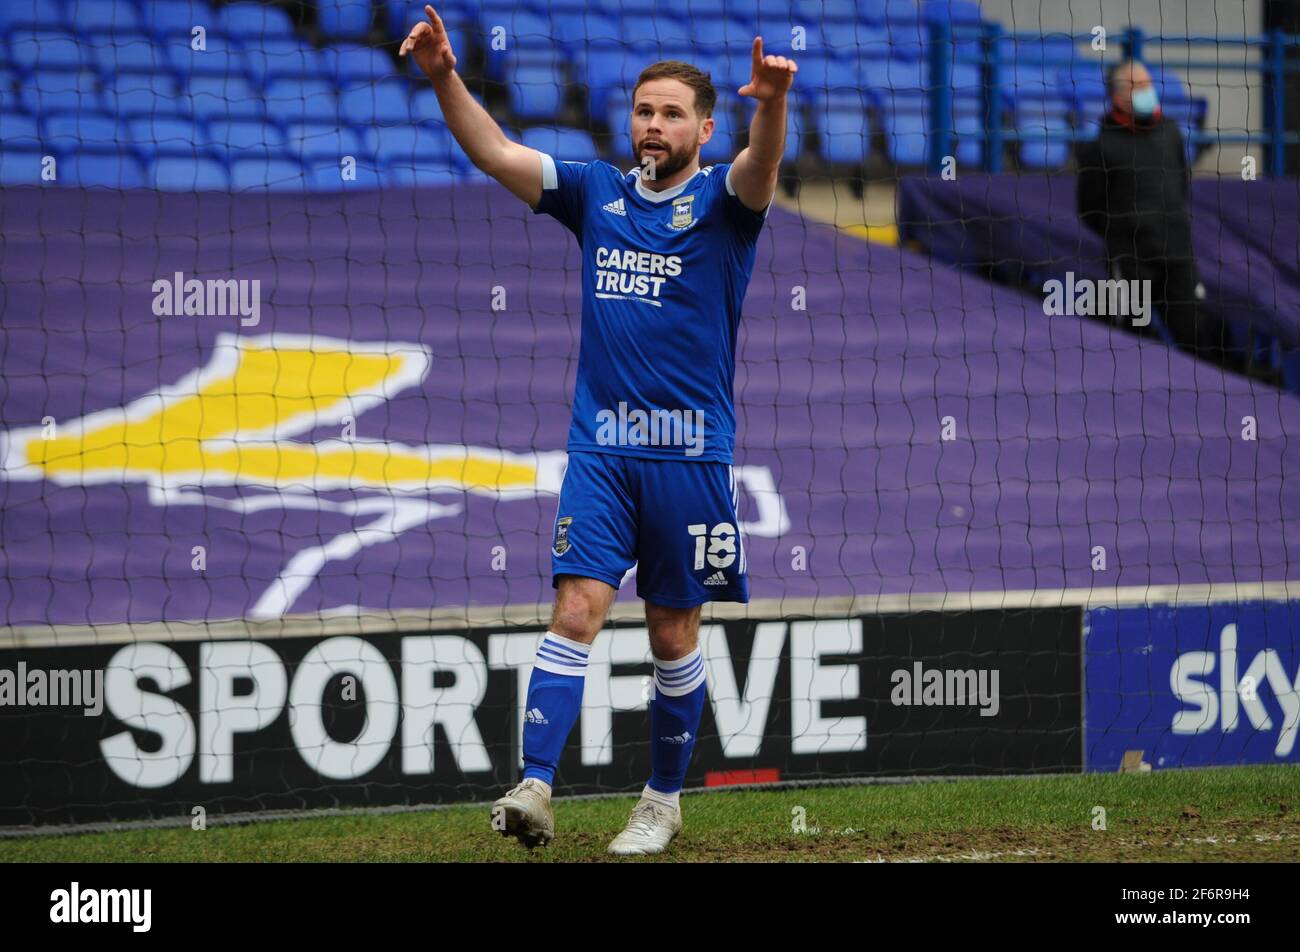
(677, 738)
(616, 207)
(717, 578)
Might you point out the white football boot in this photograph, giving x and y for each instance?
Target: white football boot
(525, 812)
(650, 829)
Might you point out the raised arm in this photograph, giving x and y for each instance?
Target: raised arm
(754, 171)
(515, 166)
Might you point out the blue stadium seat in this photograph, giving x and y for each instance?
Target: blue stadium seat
(19, 130)
(314, 144)
(275, 57)
(408, 143)
(174, 20)
(1042, 125)
(887, 77)
(951, 11)
(243, 138)
(92, 132)
(656, 32)
(271, 174)
(419, 176)
(819, 75)
(844, 133)
(968, 124)
(101, 170)
(425, 107)
(31, 14)
(90, 17)
(723, 35)
(904, 122)
(837, 12)
(606, 68)
(536, 91)
(356, 65)
(582, 32)
(256, 22)
(113, 54)
(560, 142)
(301, 100)
(46, 94)
(50, 50)
(463, 42)
(401, 15)
(863, 42)
(221, 58)
(871, 11)
(224, 97)
(144, 95)
(722, 147)
(345, 19)
(387, 101)
(169, 136)
(197, 174)
(20, 168)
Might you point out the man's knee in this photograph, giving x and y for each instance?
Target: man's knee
(580, 607)
(674, 632)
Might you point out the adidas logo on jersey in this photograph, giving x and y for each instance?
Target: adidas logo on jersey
(535, 716)
(616, 207)
(717, 578)
(679, 739)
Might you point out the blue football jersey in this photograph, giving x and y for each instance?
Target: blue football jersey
(663, 278)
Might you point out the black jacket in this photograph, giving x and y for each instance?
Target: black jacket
(1133, 184)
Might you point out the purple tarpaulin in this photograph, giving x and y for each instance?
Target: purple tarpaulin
(1245, 236)
(1065, 435)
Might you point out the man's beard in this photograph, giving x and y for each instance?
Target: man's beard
(665, 167)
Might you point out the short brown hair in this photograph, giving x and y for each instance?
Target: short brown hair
(706, 97)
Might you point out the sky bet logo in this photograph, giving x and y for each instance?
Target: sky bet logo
(1218, 693)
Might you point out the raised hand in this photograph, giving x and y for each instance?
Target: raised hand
(770, 76)
(429, 44)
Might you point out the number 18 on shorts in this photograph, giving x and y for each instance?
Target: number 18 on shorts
(675, 520)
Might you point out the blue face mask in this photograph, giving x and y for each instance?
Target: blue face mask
(1145, 101)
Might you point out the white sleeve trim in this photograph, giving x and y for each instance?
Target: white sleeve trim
(549, 179)
(731, 191)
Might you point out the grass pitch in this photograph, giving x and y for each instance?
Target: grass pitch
(1220, 814)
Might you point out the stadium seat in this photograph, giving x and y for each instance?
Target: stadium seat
(46, 94)
(301, 100)
(386, 101)
(425, 107)
(20, 168)
(92, 17)
(258, 22)
(30, 15)
(904, 120)
(277, 57)
(168, 136)
(606, 68)
(113, 54)
(418, 176)
(723, 35)
(968, 124)
(844, 134)
(104, 170)
(272, 174)
(356, 65)
(91, 132)
(571, 145)
(222, 58)
(951, 11)
(171, 20)
(52, 50)
(796, 125)
(326, 175)
(1044, 127)
(407, 144)
(722, 147)
(536, 93)
(144, 95)
(243, 138)
(653, 33)
(173, 173)
(224, 97)
(19, 132)
(345, 19)
(580, 33)
(863, 42)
